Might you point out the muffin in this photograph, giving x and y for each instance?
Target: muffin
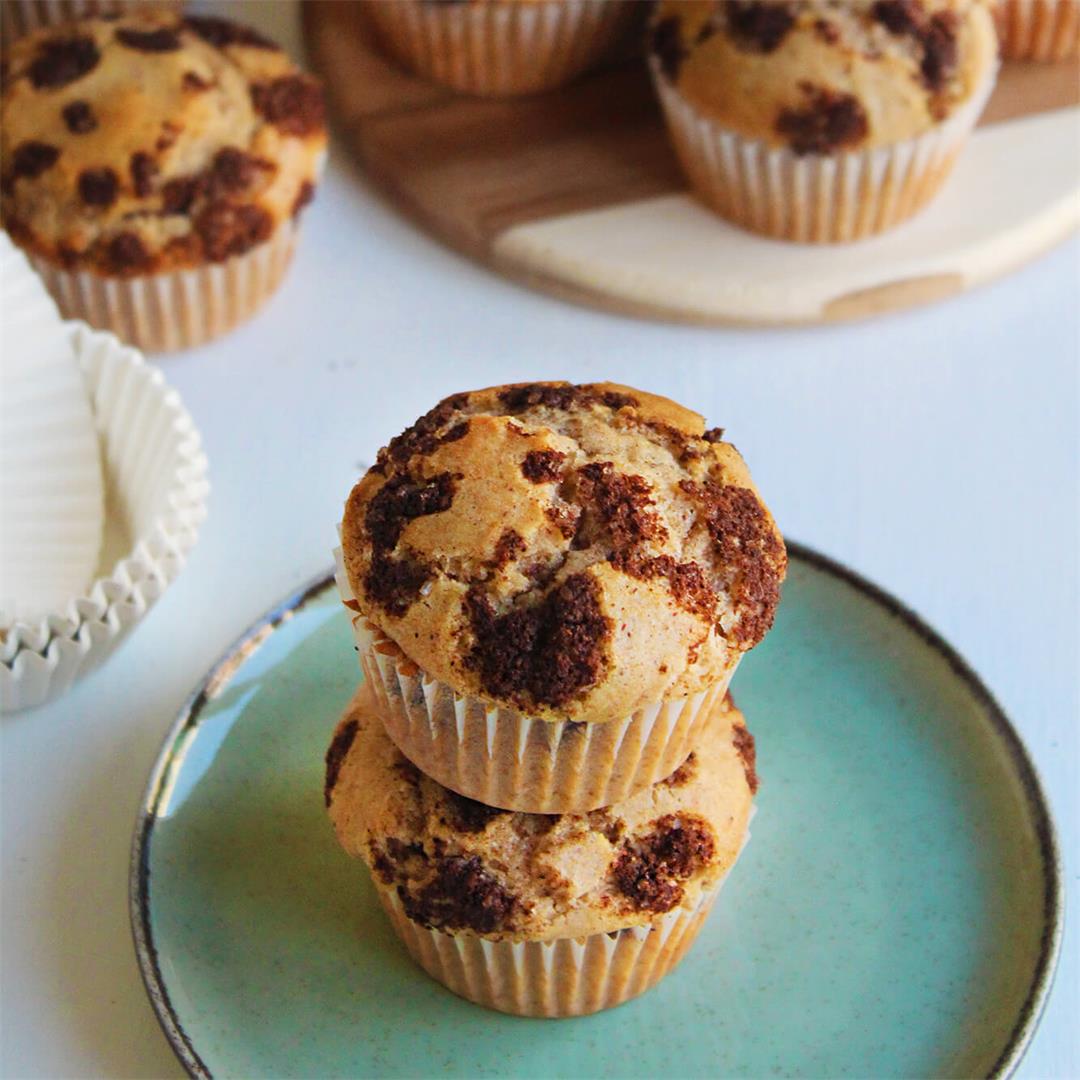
(552, 586)
(500, 48)
(154, 168)
(1044, 30)
(817, 121)
(19, 17)
(535, 914)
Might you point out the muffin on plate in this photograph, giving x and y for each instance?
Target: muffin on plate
(818, 121)
(552, 586)
(535, 914)
(500, 48)
(1044, 30)
(154, 168)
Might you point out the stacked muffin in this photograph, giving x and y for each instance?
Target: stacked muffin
(551, 588)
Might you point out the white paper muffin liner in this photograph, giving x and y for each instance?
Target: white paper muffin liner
(155, 478)
(1044, 30)
(179, 309)
(500, 49)
(52, 498)
(814, 198)
(19, 17)
(558, 978)
(502, 758)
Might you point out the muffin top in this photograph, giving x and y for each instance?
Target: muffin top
(153, 142)
(569, 552)
(823, 76)
(457, 864)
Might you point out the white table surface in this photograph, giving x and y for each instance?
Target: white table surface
(934, 451)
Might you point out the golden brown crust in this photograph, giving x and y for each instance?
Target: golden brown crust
(571, 552)
(153, 142)
(822, 77)
(459, 865)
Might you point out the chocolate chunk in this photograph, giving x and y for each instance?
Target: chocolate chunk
(684, 773)
(667, 46)
(395, 584)
(32, 158)
(468, 815)
(194, 82)
(79, 117)
(144, 171)
(507, 548)
(162, 39)
(292, 103)
(564, 518)
(624, 503)
(126, 254)
(227, 230)
(746, 542)
(98, 187)
(759, 25)
(899, 16)
(714, 435)
(544, 654)
(563, 396)
(830, 121)
(935, 35)
(339, 747)
(461, 896)
(828, 31)
(747, 751)
(400, 500)
(542, 466)
(423, 437)
(222, 32)
(60, 62)
(650, 871)
(234, 171)
(686, 581)
(178, 195)
(303, 197)
(939, 51)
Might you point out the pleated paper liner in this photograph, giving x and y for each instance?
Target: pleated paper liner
(814, 198)
(20, 17)
(156, 491)
(1043, 30)
(559, 978)
(179, 309)
(52, 498)
(500, 49)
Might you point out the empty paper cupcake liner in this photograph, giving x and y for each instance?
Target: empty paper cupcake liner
(1043, 30)
(19, 17)
(500, 49)
(563, 977)
(502, 758)
(814, 198)
(155, 479)
(179, 309)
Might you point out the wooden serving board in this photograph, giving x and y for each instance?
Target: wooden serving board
(578, 192)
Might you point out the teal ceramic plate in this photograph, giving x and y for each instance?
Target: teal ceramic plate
(897, 912)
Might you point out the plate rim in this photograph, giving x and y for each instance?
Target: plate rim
(187, 717)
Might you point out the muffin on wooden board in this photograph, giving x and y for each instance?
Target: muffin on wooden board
(815, 121)
(535, 914)
(500, 48)
(154, 168)
(1044, 30)
(552, 586)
